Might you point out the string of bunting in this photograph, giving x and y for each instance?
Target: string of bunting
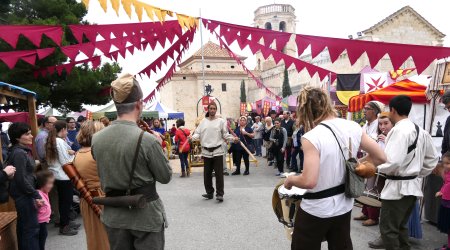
(11, 58)
(10, 33)
(398, 53)
(231, 35)
(185, 21)
(189, 38)
(138, 41)
(178, 46)
(257, 80)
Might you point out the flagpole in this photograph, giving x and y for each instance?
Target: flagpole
(203, 58)
(329, 83)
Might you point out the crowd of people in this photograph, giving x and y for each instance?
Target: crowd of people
(313, 144)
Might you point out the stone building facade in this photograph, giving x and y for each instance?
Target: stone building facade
(404, 26)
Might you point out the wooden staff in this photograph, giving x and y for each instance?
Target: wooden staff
(243, 145)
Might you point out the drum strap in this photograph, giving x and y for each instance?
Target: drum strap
(325, 193)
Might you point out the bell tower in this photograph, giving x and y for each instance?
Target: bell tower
(278, 17)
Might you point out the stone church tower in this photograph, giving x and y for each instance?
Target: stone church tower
(279, 17)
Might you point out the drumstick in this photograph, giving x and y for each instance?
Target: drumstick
(248, 151)
(242, 145)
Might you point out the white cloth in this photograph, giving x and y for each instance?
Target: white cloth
(371, 129)
(332, 165)
(63, 157)
(211, 134)
(258, 130)
(420, 161)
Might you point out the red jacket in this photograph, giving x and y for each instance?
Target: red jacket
(181, 138)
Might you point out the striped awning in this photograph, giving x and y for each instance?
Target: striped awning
(405, 87)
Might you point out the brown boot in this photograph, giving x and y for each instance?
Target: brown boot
(183, 174)
(188, 172)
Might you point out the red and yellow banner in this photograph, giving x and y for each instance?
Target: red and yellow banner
(243, 108)
(266, 108)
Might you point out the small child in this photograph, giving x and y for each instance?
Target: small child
(444, 210)
(44, 184)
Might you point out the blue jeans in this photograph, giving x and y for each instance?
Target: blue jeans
(27, 223)
(184, 161)
(258, 146)
(294, 166)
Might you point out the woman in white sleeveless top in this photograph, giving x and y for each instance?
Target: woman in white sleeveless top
(324, 169)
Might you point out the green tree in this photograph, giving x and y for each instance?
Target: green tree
(243, 95)
(68, 91)
(286, 88)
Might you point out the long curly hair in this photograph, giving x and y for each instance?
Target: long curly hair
(51, 151)
(314, 106)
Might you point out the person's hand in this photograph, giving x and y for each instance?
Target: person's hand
(438, 194)
(288, 183)
(39, 202)
(71, 152)
(10, 170)
(381, 137)
(236, 139)
(283, 150)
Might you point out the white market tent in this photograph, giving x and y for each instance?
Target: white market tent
(165, 112)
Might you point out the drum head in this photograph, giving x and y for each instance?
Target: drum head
(368, 201)
(295, 191)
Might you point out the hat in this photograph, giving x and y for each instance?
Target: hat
(378, 106)
(126, 89)
(384, 114)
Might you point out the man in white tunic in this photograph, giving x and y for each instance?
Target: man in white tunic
(211, 132)
(410, 155)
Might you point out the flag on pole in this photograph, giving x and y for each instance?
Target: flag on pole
(348, 85)
(400, 72)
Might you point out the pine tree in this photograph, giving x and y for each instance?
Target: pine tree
(286, 88)
(243, 95)
(68, 91)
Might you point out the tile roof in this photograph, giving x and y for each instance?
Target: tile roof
(211, 49)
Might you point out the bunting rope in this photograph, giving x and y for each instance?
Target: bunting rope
(185, 21)
(258, 81)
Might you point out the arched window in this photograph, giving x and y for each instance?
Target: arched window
(282, 26)
(268, 26)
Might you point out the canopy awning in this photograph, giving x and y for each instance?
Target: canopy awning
(165, 112)
(405, 87)
(16, 117)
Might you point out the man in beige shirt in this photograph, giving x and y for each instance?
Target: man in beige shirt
(211, 132)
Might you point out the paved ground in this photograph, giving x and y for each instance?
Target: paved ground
(244, 221)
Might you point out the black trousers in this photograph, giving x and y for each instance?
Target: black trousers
(279, 158)
(289, 152)
(239, 156)
(65, 198)
(123, 239)
(309, 231)
(42, 235)
(27, 223)
(216, 164)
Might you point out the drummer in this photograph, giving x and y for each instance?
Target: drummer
(325, 216)
(372, 214)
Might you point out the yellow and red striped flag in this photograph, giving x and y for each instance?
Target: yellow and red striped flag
(400, 72)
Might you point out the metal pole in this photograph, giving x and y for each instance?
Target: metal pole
(329, 83)
(203, 58)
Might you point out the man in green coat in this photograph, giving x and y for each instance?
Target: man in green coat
(114, 150)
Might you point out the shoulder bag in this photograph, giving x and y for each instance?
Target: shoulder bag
(354, 184)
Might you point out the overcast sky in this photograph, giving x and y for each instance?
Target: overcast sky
(314, 17)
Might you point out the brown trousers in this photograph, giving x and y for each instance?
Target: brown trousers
(309, 232)
(216, 164)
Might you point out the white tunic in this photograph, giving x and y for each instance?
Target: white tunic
(211, 134)
(332, 166)
(371, 129)
(63, 157)
(420, 162)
